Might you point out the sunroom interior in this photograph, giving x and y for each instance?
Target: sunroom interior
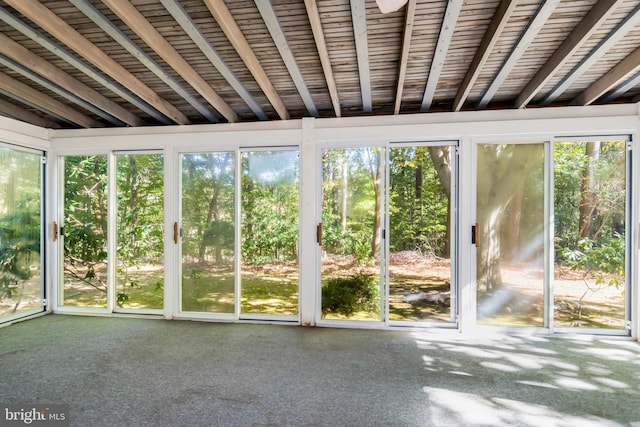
(455, 165)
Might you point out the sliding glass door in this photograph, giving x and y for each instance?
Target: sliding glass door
(239, 233)
(111, 232)
(552, 242)
(591, 287)
(388, 234)
(84, 231)
(208, 232)
(139, 277)
(509, 235)
(352, 279)
(422, 190)
(21, 278)
(269, 233)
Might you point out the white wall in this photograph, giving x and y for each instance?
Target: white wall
(23, 134)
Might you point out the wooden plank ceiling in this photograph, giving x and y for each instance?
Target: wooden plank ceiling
(114, 63)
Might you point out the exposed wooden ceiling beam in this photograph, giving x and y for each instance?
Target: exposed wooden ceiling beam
(447, 29)
(88, 70)
(63, 93)
(629, 23)
(53, 24)
(11, 110)
(33, 62)
(323, 52)
(277, 34)
(404, 57)
(231, 29)
(139, 24)
(498, 22)
(622, 89)
(36, 97)
(623, 70)
(580, 34)
(48, 113)
(114, 32)
(528, 35)
(359, 19)
(189, 27)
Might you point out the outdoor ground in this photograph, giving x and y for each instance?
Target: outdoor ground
(419, 291)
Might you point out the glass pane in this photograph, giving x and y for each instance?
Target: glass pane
(590, 211)
(420, 234)
(270, 182)
(20, 231)
(510, 253)
(85, 231)
(208, 232)
(140, 271)
(351, 234)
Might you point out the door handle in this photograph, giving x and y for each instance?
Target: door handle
(54, 231)
(475, 235)
(319, 234)
(176, 234)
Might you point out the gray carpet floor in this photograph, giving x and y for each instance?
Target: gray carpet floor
(143, 372)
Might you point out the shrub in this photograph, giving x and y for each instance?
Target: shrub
(346, 295)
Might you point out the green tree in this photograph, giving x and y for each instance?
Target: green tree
(20, 227)
(140, 195)
(85, 220)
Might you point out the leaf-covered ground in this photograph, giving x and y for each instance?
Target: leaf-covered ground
(419, 290)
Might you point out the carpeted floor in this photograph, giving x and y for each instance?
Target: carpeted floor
(142, 372)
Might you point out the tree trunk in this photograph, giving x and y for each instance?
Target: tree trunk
(344, 186)
(441, 159)
(102, 204)
(502, 172)
(512, 237)
(588, 190)
(377, 216)
(489, 251)
(419, 182)
(133, 201)
(212, 209)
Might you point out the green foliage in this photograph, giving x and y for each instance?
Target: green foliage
(570, 164)
(19, 248)
(208, 206)
(269, 211)
(20, 229)
(85, 222)
(140, 192)
(347, 295)
(605, 263)
(418, 203)
(348, 201)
